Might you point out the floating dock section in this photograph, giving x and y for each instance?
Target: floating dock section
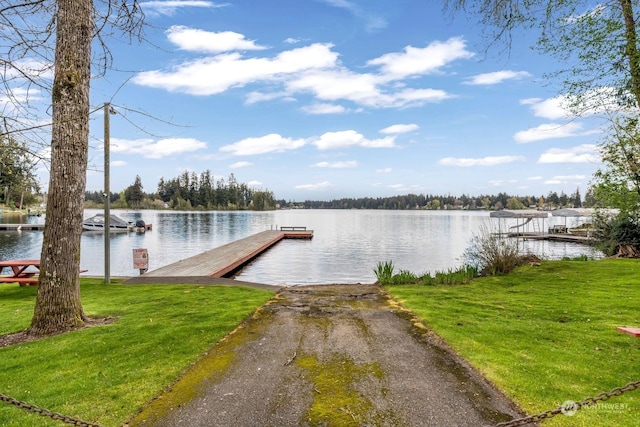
(226, 259)
(21, 227)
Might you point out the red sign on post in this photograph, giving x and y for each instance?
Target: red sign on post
(140, 259)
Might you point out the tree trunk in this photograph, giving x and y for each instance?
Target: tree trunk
(58, 306)
(631, 48)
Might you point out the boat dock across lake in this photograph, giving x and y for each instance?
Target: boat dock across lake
(21, 227)
(224, 260)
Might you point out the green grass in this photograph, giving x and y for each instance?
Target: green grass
(105, 374)
(546, 334)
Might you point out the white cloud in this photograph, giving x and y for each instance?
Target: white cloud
(192, 39)
(18, 95)
(324, 109)
(570, 177)
(264, 144)
(534, 178)
(549, 131)
(384, 170)
(312, 69)
(565, 179)
(551, 108)
(231, 70)
(29, 67)
(315, 187)
(155, 150)
(117, 163)
(337, 165)
(419, 61)
(254, 97)
(594, 102)
(372, 22)
(350, 138)
(586, 153)
(291, 40)
(405, 188)
(254, 184)
(496, 77)
(398, 129)
(170, 7)
(238, 165)
(485, 161)
(364, 89)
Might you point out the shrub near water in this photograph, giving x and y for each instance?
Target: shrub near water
(492, 254)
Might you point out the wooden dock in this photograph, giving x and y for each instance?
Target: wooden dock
(554, 237)
(226, 259)
(21, 227)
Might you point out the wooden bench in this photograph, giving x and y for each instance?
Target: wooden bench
(24, 280)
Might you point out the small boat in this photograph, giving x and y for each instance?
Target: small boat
(140, 227)
(96, 223)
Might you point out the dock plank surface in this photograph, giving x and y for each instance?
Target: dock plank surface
(224, 259)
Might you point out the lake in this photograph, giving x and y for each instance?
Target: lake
(346, 246)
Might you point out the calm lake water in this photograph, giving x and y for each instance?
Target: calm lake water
(346, 246)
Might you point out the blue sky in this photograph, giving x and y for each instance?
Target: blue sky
(324, 99)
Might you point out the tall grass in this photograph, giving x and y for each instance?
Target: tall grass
(384, 272)
(385, 276)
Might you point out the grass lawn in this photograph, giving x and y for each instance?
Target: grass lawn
(546, 334)
(105, 374)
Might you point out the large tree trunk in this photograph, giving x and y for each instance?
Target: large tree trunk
(631, 48)
(58, 306)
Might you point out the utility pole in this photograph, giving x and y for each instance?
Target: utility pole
(107, 192)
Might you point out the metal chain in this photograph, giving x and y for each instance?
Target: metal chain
(571, 407)
(46, 412)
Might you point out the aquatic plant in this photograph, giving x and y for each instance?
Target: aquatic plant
(384, 272)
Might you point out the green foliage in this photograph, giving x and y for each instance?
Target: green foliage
(617, 184)
(459, 276)
(403, 277)
(582, 257)
(18, 181)
(620, 231)
(134, 194)
(385, 276)
(492, 254)
(436, 202)
(262, 201)
(384, 272)
(190, 191)
(513, 203)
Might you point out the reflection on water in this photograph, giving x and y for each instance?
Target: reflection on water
(346, 246)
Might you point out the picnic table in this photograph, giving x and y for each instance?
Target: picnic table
(23, 271)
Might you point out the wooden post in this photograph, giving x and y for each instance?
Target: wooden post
(107, 208)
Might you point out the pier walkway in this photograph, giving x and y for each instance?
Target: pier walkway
(224, 260)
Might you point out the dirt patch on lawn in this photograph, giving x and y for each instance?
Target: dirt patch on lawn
(330, 355)
(24, 336)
